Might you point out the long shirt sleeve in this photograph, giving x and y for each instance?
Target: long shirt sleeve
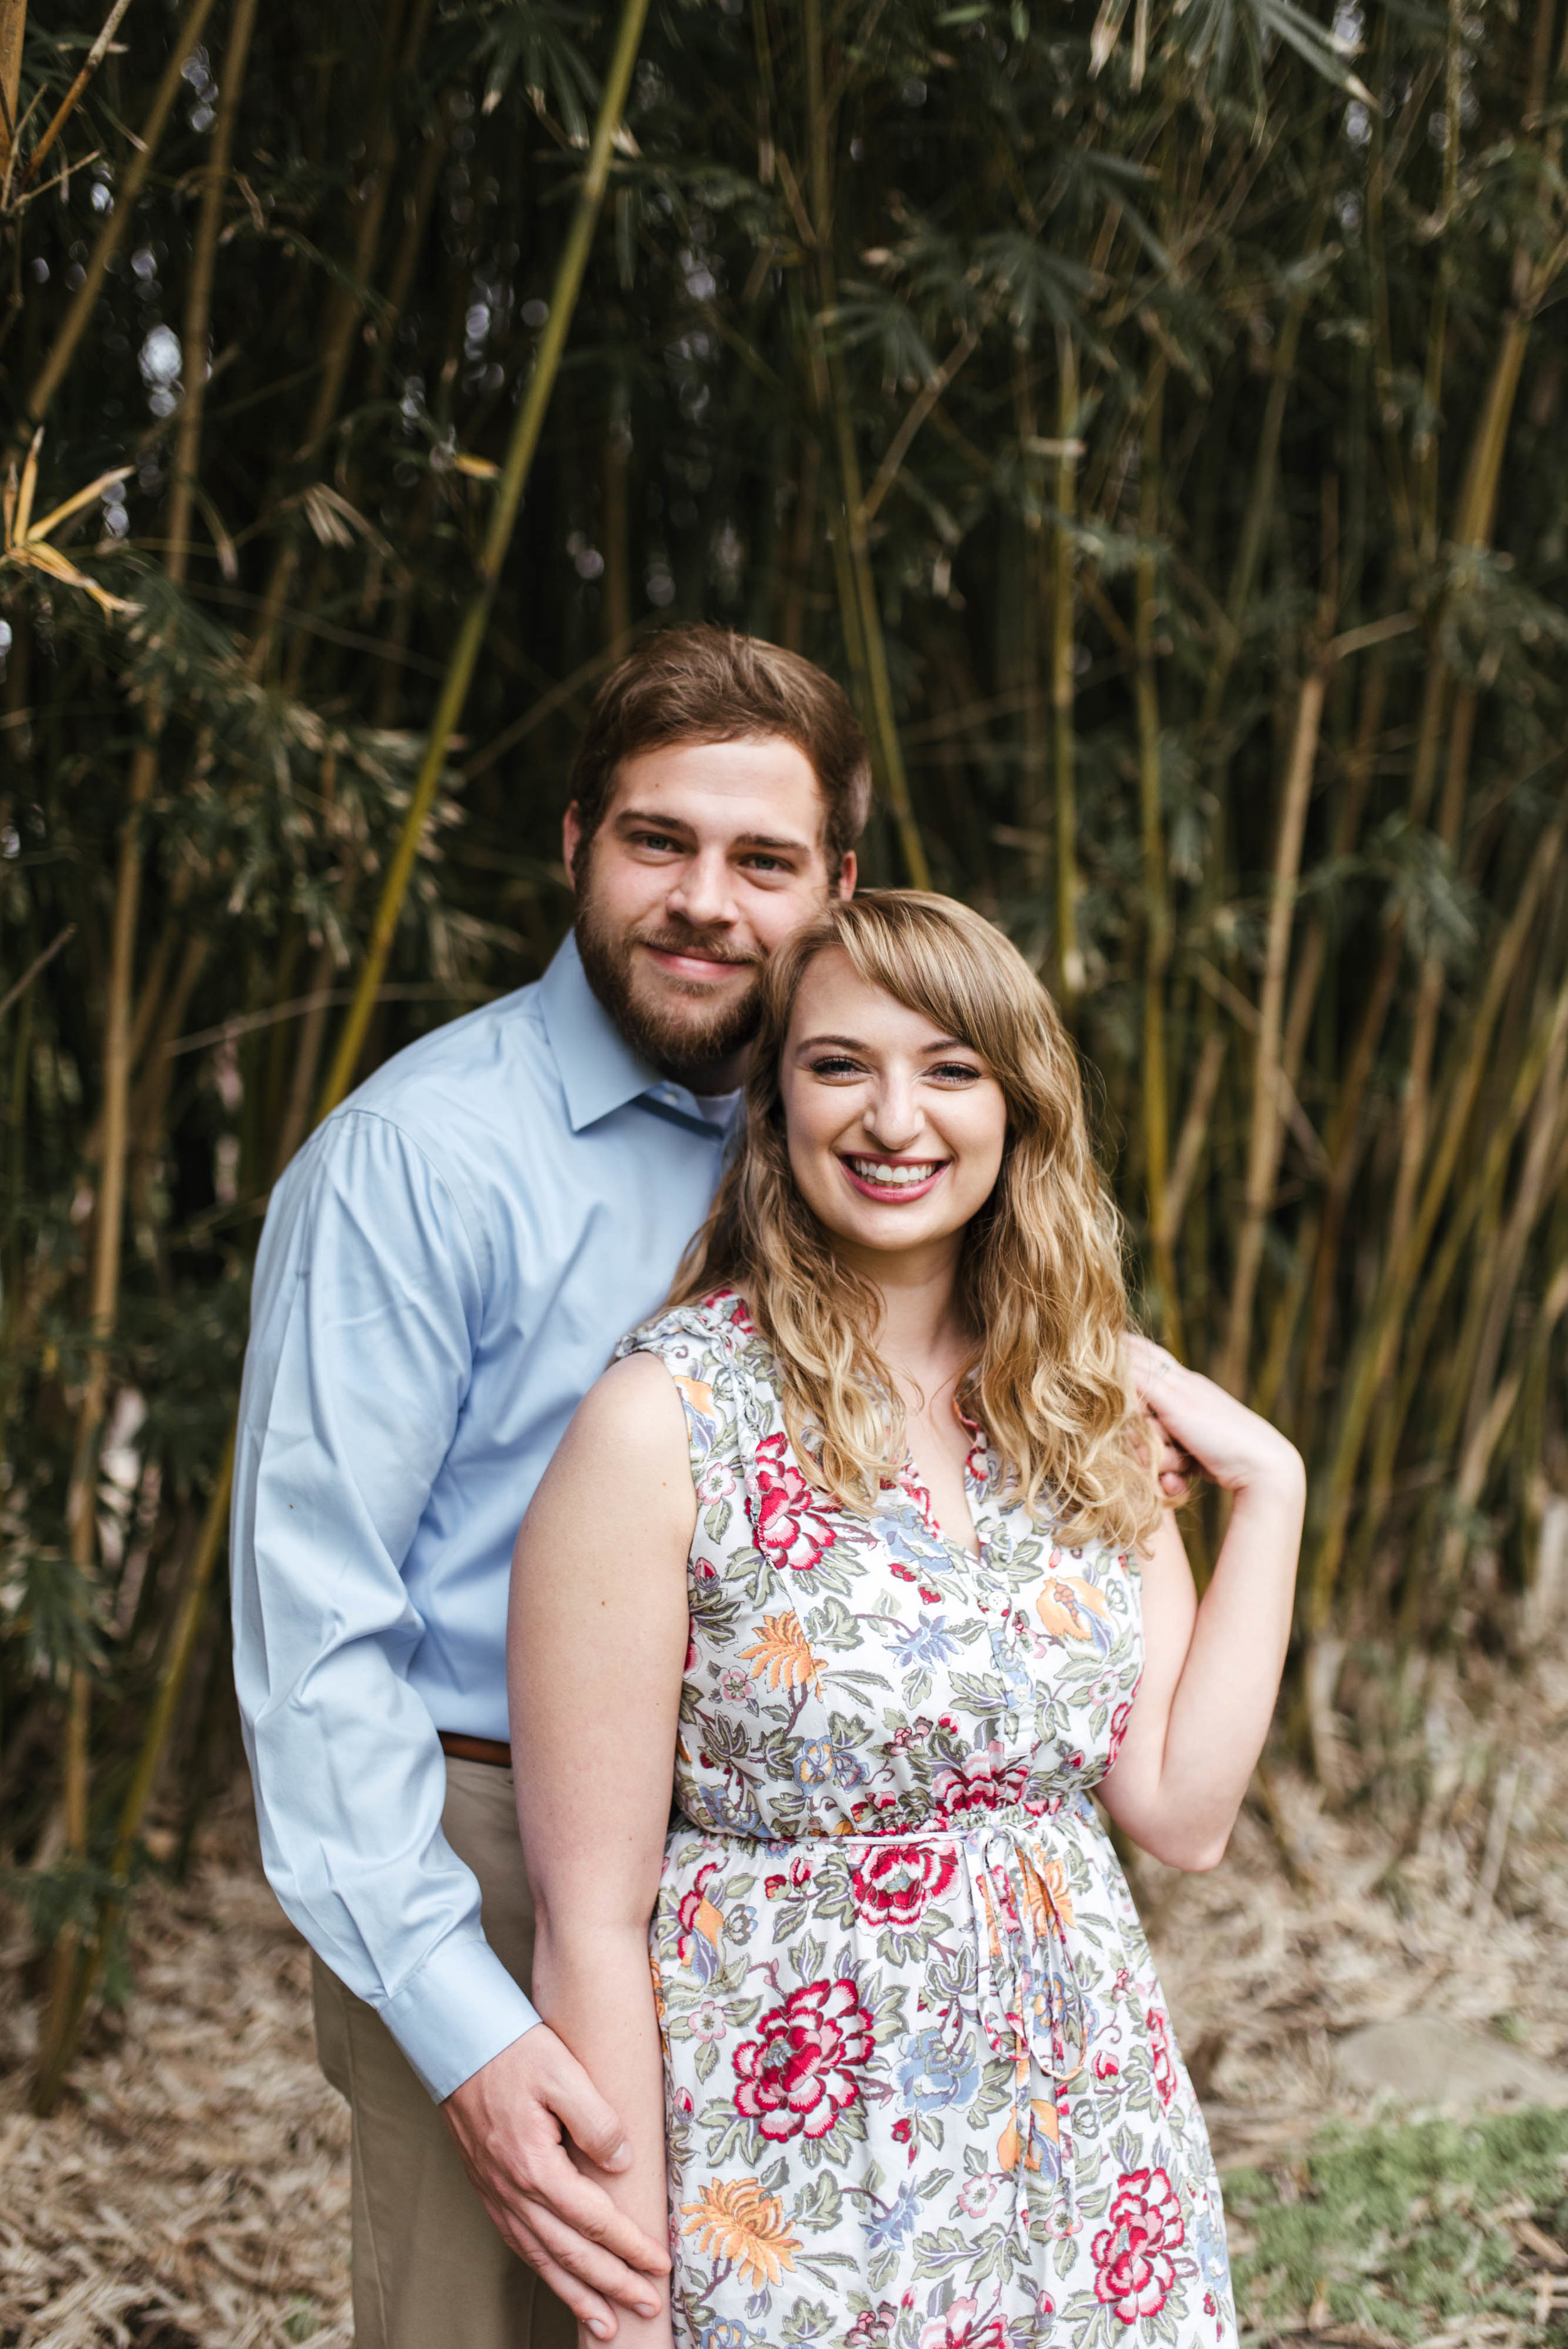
(368, 1308)
(447, 1267)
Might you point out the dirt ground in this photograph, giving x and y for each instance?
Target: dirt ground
(193, 2188)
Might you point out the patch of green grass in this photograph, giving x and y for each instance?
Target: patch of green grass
(302, 2321)
(1403, 2230)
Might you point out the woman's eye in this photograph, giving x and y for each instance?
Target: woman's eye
(955, 1072)
(835, 1065)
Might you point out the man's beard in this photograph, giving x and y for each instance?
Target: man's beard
(682, 1048)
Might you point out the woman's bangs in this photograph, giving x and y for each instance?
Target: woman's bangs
(937, 970)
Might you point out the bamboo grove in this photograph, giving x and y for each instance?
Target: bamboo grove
(1155, 415)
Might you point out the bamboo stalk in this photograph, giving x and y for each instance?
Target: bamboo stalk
(1069, 955)
(1265, 466)
(1267, 1122)
(861, 598)
(117, 223)
(514, 475)
(400, 46)
(616, 456)
(1398, 1281)
(166, 1697)
(82, 1508)
(802, 546)
(1155, 1074)
(1032, 667)
(1479, 1202)
(13, 25)
(68, 104)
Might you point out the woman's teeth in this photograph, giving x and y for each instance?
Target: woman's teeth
(895, 1178)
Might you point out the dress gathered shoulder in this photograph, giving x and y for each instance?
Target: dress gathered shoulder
(921, 2090)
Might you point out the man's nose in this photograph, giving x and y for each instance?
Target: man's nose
(704, 893)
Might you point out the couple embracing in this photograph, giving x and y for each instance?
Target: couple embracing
(714, 1934)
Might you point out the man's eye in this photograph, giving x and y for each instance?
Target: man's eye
(768, 864)
(660, 840)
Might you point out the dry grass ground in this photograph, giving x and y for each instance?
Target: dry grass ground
(193, 2189)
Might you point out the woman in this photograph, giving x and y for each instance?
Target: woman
(863, 1536)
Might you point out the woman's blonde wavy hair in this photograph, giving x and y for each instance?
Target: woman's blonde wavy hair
(1040, 1274)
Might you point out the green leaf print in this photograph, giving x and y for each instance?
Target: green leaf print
(808, 2320)
(716, 1521)
(832, 1626)
(819, 2205)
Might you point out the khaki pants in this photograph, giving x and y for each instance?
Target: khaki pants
(430, 2271)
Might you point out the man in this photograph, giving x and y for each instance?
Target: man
(446, 1268)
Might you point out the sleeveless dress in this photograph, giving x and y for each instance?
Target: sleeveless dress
(920, 2086)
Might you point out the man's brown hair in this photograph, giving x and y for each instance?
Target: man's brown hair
(701, 684)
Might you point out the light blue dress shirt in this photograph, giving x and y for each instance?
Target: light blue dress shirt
(446, 1268)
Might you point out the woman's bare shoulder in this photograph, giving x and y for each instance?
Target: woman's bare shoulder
(630, 1424)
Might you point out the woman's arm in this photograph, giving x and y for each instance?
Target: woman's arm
(1211, 1671)
(595, 1650)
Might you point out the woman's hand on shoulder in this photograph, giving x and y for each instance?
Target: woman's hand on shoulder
(1206, 1428)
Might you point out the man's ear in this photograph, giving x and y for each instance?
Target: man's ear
(571, 842)
(848, 873)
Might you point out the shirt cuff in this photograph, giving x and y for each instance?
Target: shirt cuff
(455, 2012)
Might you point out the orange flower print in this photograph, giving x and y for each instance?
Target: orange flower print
(734, 2220)
(1046, 1890)
(782, 1656)
(702, 1922)
(699, 1394)
(1071, 1609)
(1045, 2114)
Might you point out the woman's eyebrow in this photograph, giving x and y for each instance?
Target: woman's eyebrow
(854, 1044)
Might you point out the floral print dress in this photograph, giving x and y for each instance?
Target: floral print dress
(921, 2090)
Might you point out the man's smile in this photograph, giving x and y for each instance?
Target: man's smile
(698, 963)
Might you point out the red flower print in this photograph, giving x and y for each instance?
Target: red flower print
(1119, 1721)
(1106, 2068)
(800, 2075)
(1160, 2062)
(773, 1885)
(975, 1784)
(963, 2327)
(891, 1887)
(787, 1516)
(1134, 2267)
(872, 2328)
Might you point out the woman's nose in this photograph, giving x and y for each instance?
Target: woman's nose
(895, 1120)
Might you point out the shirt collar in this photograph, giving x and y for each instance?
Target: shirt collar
(599, 1070)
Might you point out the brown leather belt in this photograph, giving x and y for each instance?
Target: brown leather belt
(476, 1748)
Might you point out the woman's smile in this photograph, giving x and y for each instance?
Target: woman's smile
(895, 1180)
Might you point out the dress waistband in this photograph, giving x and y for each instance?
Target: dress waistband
(1021, 1819)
